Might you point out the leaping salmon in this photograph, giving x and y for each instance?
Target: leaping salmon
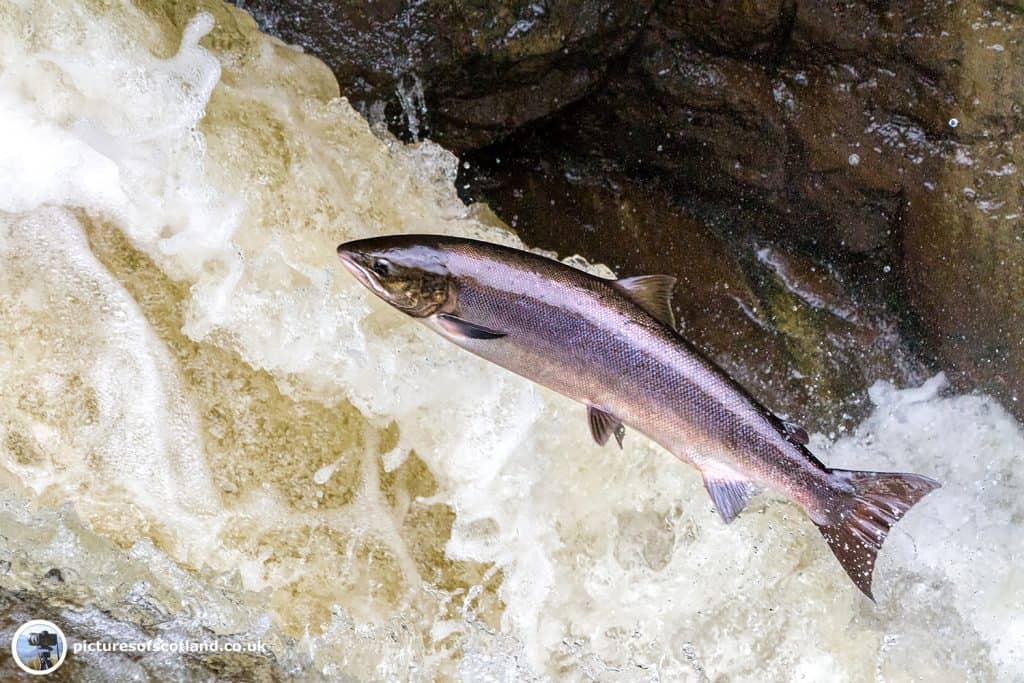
(612, 345)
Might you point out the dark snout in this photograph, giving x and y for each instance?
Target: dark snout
(354, 250)
(354, 259)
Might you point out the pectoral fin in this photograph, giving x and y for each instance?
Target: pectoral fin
(729, 490)
(603, 425)
(653, 293)
(463, 328)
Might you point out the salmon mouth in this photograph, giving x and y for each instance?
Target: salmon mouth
(350, 259)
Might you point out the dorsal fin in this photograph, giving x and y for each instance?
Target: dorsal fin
(795, 433)
(653, 293)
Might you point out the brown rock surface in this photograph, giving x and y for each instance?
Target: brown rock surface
(462, 73)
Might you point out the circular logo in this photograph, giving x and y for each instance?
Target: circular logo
(39, 647)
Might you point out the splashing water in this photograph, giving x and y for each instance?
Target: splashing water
(413, 101)
(204, 420)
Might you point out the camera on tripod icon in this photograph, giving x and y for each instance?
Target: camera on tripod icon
(45, 642)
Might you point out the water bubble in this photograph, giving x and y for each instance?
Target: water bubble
(853, 159)
(886, 268)
(953, 123)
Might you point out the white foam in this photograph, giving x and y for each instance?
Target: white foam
(78, 319)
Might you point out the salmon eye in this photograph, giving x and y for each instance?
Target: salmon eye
(381, 267)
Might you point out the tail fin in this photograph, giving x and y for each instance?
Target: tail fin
(858, 531)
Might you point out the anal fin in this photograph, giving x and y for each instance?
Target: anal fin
(729, 490)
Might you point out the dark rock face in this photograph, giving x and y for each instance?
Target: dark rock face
(879, 137)
(463, 73)
(813, 112)
(963, 261)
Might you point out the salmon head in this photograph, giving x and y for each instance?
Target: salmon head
(408, 273)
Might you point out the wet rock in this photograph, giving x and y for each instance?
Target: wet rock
(963, 231)
(754, 28)
(811, 112)
(462, 73)
(963, 256)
